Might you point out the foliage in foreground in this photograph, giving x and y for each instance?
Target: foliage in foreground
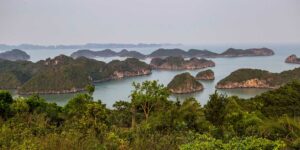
(206, 142)
(152, 121)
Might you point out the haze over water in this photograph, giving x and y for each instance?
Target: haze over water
(110, 91)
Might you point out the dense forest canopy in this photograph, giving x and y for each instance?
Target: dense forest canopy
(150, 120)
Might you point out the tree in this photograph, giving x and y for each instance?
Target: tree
(240, 120)
(5, 100)
(285, 127)
(284, 100)
(192, 114)
(86, 115)
(214, 109)
(90, 89)
(39, 105)
(36, 103)
(121, 115)
(77, 105)
(19, 106)
(148, 95)
(95, 116)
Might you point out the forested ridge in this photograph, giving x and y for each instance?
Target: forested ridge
(150, 120)
(47, 76)
(272, 79)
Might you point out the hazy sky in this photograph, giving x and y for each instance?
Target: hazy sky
(149, 21)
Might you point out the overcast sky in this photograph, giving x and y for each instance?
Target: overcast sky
(149, 21)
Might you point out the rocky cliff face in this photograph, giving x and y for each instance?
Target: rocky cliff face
(120, 75)
(66, 91)
(178, 63)
(206, 75)
(184, 83)
(252, 83)
(293, 59)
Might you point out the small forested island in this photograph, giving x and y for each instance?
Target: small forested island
(91, 54)
(132, 54)
(184, 83)
(64, 74)
(179, 63)
(176, 52)
(293, 59)
(107, 53)
(256, 78)
(14, 55)
(205, 75)
(231, 52)
(151, 120)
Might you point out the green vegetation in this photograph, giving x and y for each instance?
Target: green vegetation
(147, 95)
(272, 79)
(15, 73)
(48, 75)
(90, 89)
(152, 121)
(246, 74)
(206, 142)
(9, 80)
(131, 65)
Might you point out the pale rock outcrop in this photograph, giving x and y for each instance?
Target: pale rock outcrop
(252, 83)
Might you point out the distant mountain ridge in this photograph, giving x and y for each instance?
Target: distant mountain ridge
(107, 53)
(84, 46)
(231, 52)
(179, 52)
(176, 52)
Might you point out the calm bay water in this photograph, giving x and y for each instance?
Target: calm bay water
(111, 91)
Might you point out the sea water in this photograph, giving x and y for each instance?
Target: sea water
(111, 91)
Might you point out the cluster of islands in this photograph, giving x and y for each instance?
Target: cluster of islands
(161, 53)
(69, 74)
